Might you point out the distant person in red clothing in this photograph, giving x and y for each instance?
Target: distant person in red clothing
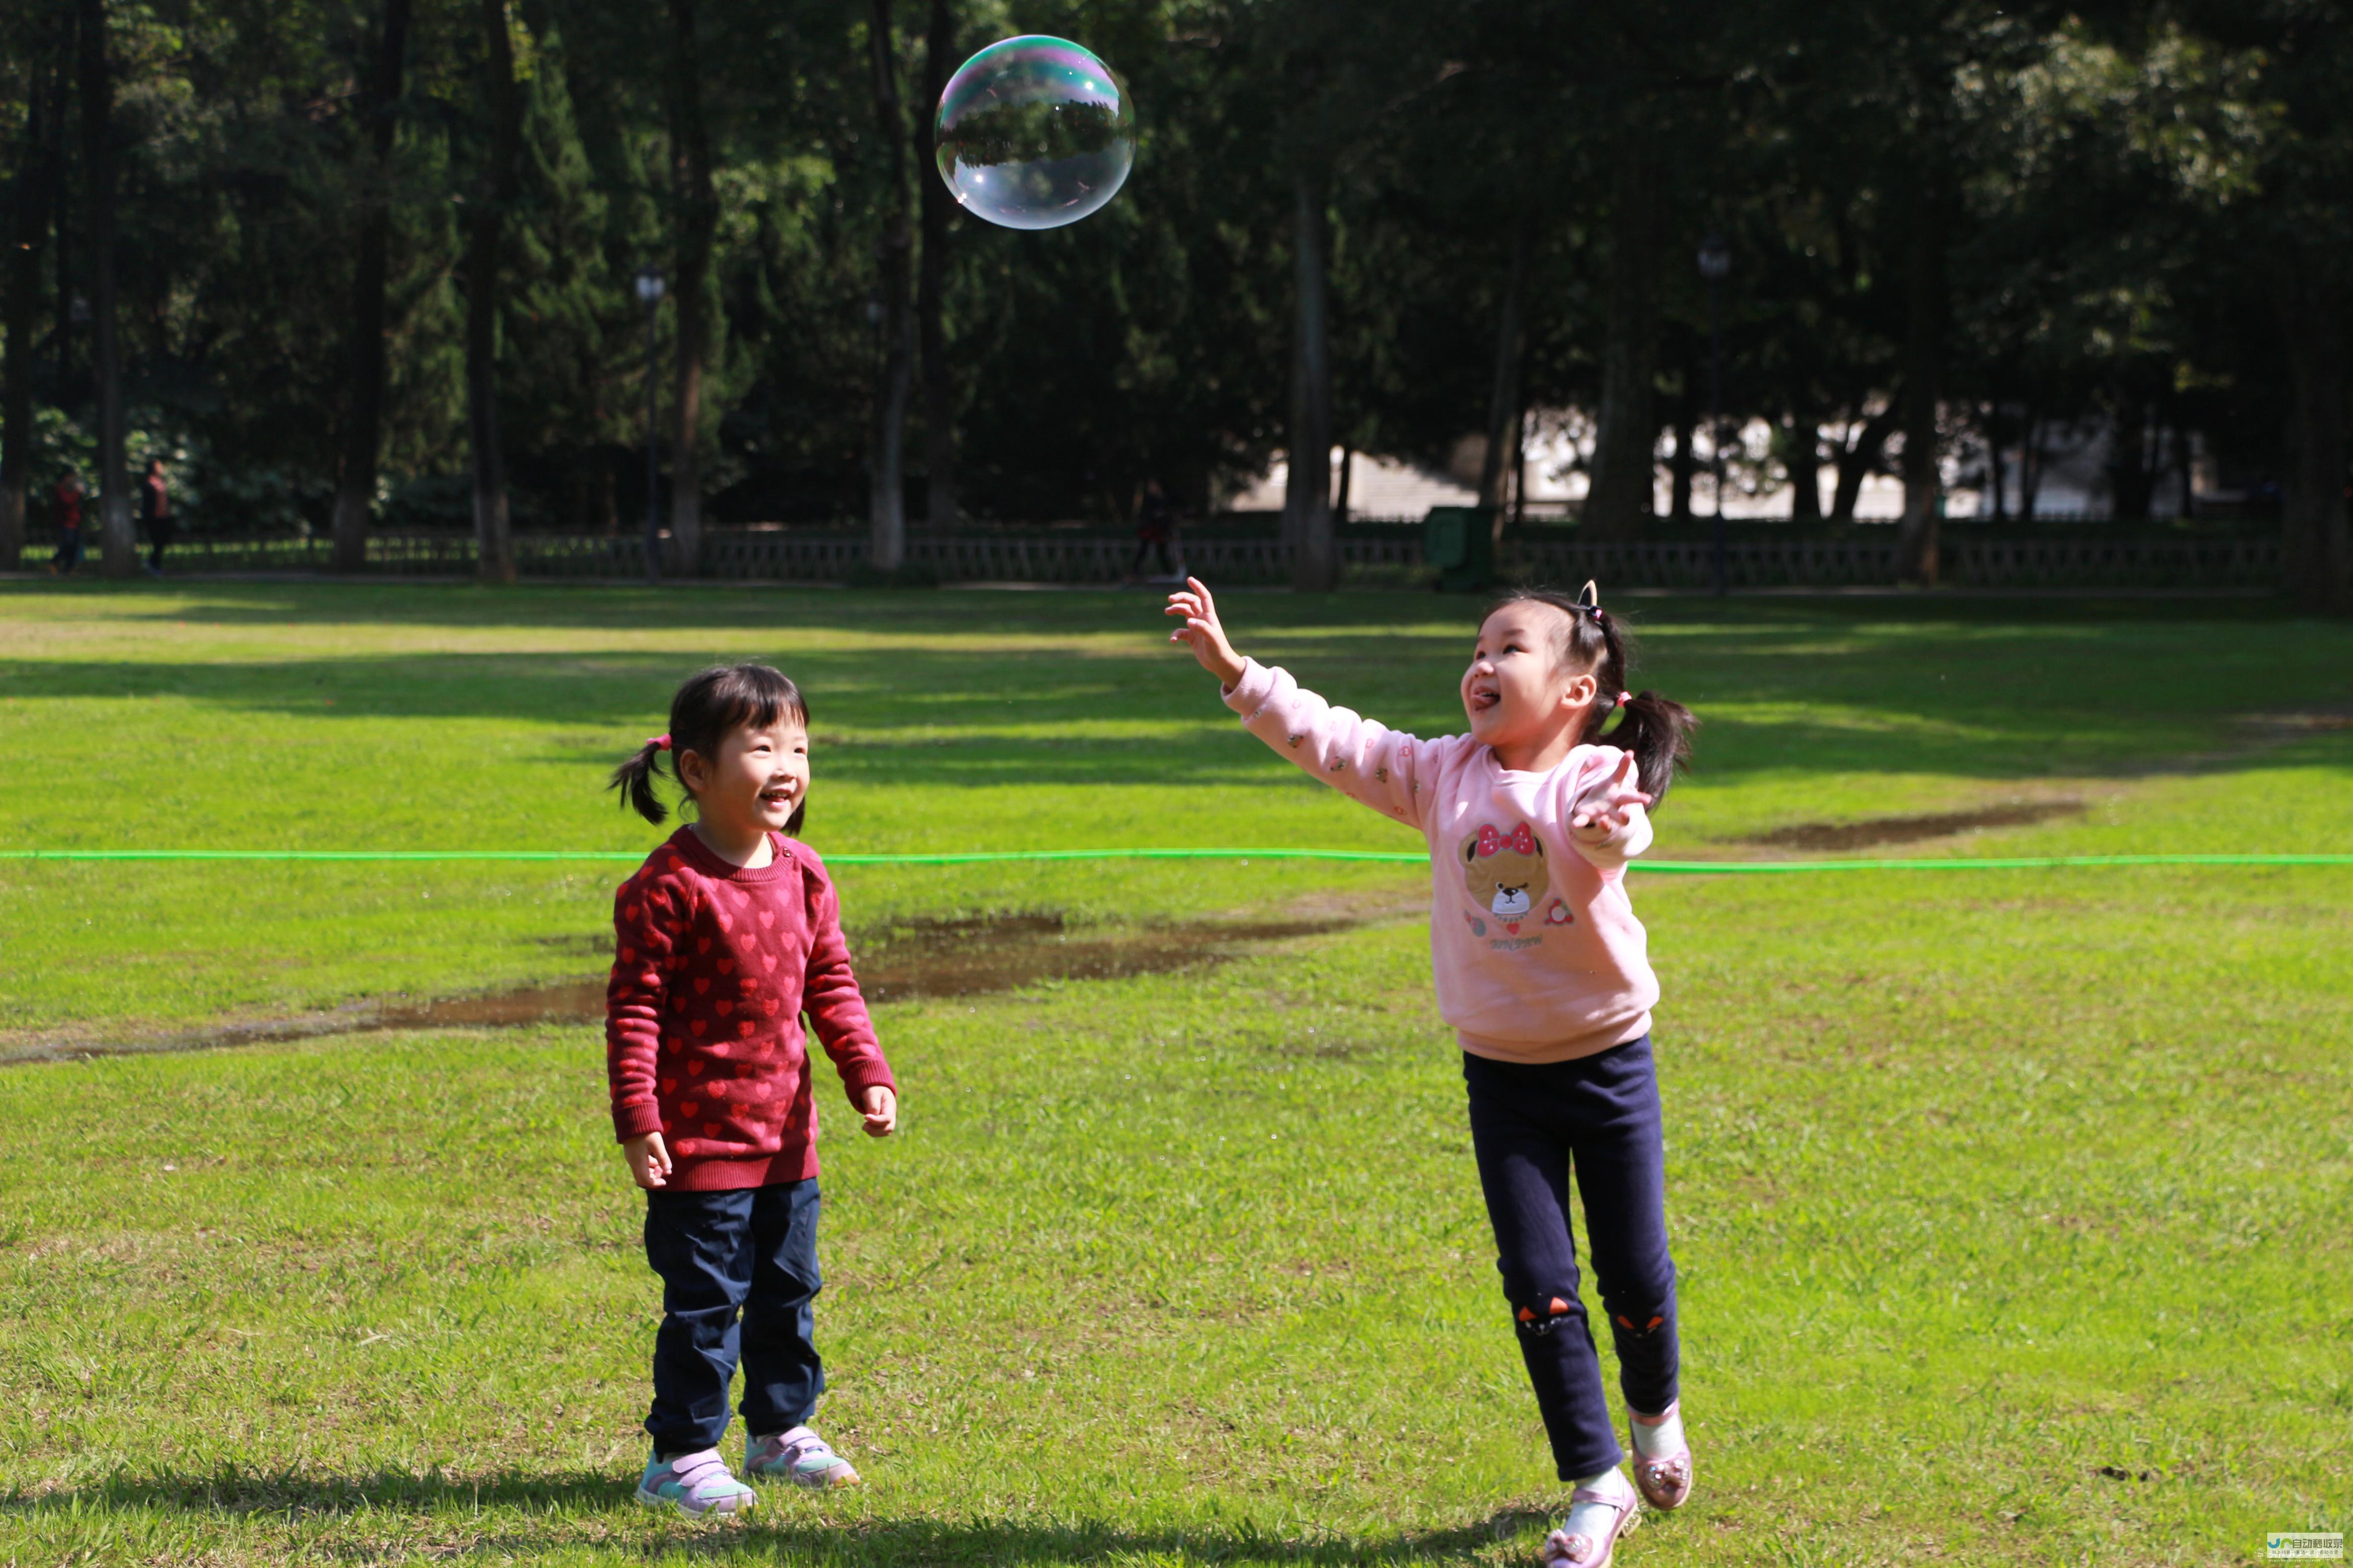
(1156, 528)
(155, 512)
(69, 499)
(726, 935)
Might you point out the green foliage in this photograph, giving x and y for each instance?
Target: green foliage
(2109, 171)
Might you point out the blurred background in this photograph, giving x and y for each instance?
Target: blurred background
(1887, 269)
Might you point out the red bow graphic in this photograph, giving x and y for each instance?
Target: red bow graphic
(1522, 839)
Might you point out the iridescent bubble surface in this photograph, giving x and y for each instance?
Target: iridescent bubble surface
(1034, 132)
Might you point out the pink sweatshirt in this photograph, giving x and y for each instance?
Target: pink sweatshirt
(1536, 950)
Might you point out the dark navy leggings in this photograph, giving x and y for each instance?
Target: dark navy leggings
(1530, 1126)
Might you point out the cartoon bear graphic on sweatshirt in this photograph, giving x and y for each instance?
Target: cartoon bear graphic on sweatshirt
(1505, 873)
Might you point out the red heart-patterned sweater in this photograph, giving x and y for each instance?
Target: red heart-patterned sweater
(713, 967)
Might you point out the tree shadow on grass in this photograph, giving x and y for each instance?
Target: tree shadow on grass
(1969, 689)
(771, 1532)
(713, 604)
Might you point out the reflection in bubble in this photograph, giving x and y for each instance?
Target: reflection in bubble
(1034, 132)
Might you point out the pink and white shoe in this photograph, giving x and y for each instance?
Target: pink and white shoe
(1666, 1478)
(1598, 1516)
(800, 1457)
(696, 1484)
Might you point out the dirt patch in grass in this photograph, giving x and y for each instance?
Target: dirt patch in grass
(1004, 952)
(1875, 830)
(2326, 716)
(915, 959)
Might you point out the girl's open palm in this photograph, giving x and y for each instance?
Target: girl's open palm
(1602, 819)
(1202, 632)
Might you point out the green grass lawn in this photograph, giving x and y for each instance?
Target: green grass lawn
(2009, 1205)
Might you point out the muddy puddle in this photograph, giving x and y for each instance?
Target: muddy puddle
(914, 959)
(1877, 830)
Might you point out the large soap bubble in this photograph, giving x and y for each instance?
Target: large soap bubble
(1035, 133)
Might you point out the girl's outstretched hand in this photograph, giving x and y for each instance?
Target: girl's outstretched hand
(1201, 630)
(1606, 818)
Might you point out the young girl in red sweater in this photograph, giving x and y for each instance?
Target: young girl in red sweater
(725, 936)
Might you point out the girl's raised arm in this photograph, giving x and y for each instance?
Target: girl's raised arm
(1362, 759)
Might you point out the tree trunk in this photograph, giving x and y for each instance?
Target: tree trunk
(364, 414)
(1307, 491)
(1685, 463)
(1856, 457)
(1519, 475)
(1347, 482)
(1924, 381)
(61, 203)
(931, 287)
(698, 223)
(2314, 531)
(2030, 467)
(2183, 474)
(485, 226)
(1511, 343)
(1994, 431)
(120, 543)
(29, 207)
(1625, 443)
(1802, 456)
(886, 446)
(2130, 477)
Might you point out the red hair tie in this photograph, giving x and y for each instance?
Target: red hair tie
(1623, 699)
(661, 743)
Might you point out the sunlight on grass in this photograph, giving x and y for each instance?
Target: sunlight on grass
(2008, 1205)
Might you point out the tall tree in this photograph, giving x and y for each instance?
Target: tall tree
(931, 282)
(696, 199)
(1926, 307)
(1307, 522)
(28, 208)
(1504, 409)
(363, 410)
(486, 214)
(886, 443)
(1626, 435)
(121, 544)
(2308, 295)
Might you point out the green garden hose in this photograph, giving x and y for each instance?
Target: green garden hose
(976, 856)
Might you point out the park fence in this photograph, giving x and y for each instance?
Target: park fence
(1391, 557)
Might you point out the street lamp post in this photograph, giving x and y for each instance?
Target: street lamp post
(1715, 265)
(650, 293)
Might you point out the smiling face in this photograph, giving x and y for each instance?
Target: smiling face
(752, 786)
(1519, 699)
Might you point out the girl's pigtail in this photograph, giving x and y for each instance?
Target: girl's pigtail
(635, 779)
(1657, 730)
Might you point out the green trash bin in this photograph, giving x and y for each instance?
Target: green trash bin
(1460, 541)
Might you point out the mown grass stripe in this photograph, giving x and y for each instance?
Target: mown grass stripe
(964, 857)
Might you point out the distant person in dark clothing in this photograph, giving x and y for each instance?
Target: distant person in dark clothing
(1155, 525)
(68, 499)
(155, 511)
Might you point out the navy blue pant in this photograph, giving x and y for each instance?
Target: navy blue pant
(1530, 1126)
(751, 1250)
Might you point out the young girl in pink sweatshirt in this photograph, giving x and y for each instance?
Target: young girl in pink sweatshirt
(1542, 971)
